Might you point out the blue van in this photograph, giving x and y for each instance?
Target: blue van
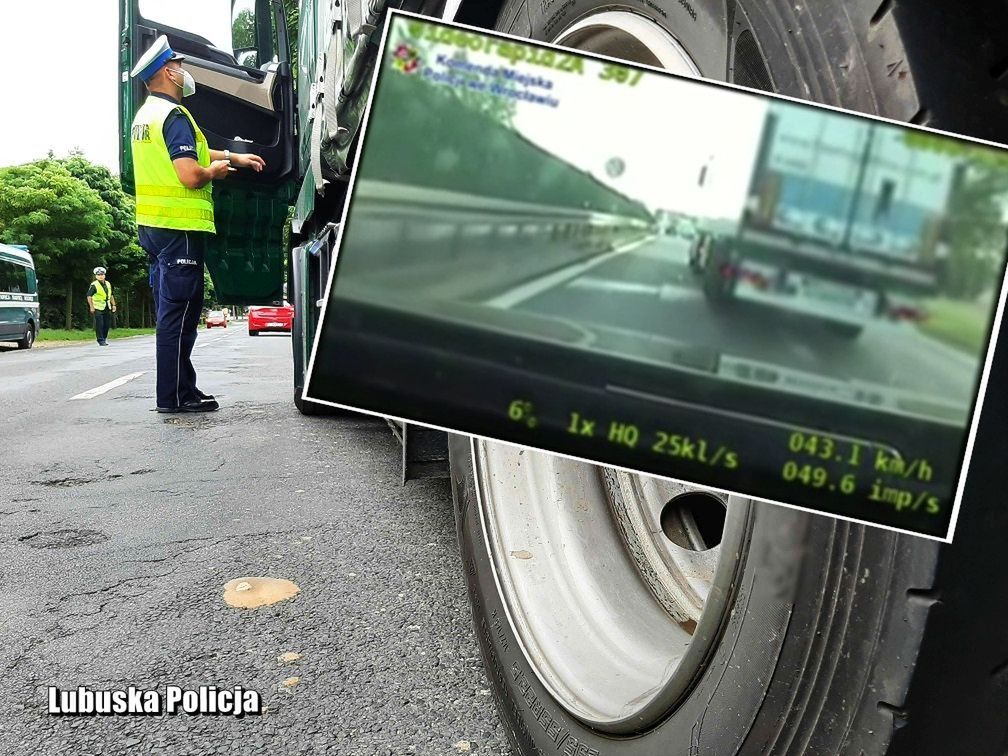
(19, 300)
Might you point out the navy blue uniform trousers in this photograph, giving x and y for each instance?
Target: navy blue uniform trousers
(176, 279)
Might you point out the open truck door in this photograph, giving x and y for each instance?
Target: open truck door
(238, 53)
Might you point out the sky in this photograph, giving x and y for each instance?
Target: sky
(60, 89)
(664, 129)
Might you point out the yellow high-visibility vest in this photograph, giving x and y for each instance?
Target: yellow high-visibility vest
(162, 200)
(100, 298)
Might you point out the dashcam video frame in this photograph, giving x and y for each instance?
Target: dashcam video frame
(764, 296)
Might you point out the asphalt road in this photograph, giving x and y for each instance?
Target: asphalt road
(119, 528)
(650, 291)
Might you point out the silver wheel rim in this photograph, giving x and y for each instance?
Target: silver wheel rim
(613, 618)
(630, 36)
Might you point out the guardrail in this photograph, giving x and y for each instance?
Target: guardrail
(457, 246)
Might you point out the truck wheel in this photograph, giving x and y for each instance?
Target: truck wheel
(619, 614)
(717, 288)
(611, 618)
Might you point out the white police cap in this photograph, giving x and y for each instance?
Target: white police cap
(156, 56)
(99, 271)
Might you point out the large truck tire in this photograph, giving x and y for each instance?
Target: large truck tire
(804, 645)
(815, 635)
(718, 288)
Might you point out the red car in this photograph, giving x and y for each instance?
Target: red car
(216, 318)
(277, 318)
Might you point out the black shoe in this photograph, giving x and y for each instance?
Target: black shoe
(199, 406)
(103, 343)
(167, 410)
(204, 397)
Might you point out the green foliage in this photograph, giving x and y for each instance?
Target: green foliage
(959, 324)
(88, 334)
(243, 31)
(63, 221)
(293, 20)
(209, 295)
(501, 109)
(970, 152)
(475, 152)
(73, 215)
(976, 230)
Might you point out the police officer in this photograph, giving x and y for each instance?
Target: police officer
(173, 167)
(102, 304)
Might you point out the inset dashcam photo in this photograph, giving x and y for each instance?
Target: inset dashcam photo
(715, 285)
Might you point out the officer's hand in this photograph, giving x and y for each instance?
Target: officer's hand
(218, 169)
(243, 160)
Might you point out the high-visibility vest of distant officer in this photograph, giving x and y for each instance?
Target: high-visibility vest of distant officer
(102, 304)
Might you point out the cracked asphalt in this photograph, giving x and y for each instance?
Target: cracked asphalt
(119, 528)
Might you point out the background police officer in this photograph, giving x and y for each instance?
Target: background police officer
(173, 167)
(102, 304)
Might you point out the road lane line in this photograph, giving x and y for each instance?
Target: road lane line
(208, 343)
(536, 287)
(99, 390)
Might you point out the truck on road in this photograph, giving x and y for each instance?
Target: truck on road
(617, 613)
(841, 217)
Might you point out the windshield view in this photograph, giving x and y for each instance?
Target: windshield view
(759, 251)
(230, 26)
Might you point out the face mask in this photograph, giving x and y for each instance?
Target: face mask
(188, 83)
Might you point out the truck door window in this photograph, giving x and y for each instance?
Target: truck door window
(208, 19)
(240, 29)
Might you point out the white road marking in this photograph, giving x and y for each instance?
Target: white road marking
(531, 289)
(99, 390)
(622, 287)
(665, 292)
(208, 343)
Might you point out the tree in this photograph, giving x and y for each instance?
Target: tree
(122, 255)
(976, 230)
(293, 21)
(63, 221)
(975, 226)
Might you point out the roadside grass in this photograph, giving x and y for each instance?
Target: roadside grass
(62, 334)
(959, 324)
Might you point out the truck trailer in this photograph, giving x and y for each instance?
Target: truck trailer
(618, 613)
(843, 218)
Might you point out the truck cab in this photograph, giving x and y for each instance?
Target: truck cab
(298, 105)
(238, 55)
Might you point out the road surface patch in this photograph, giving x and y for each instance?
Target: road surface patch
(253, 592)
(63, 482)
(64, 539)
